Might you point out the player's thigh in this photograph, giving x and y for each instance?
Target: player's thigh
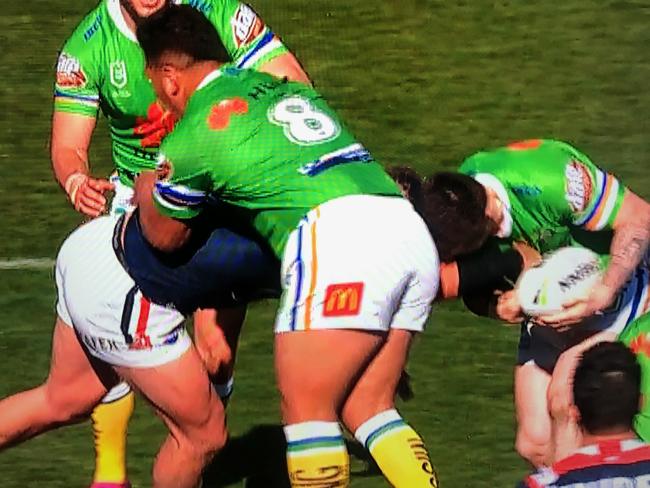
(374, 392)
(76, 382)
(531, 406)
(316, 369)
(180, 391)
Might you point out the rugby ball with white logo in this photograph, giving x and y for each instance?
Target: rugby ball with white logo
(566, 274)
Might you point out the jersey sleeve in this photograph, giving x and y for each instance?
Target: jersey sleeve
(248, 40)
(594, 196)
(76, 89)
(184, 184)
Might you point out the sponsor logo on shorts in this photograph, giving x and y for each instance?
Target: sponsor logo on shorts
(578, 185)
(246, 25)
(219, 117)
(101, 344)
(69, 73)
(118, 73)
(343, 299)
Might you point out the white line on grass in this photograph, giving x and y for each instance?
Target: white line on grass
(26, 263)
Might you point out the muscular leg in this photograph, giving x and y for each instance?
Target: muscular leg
(183, 397)
(369, 412)
(316, 370)
(533, 441)
(71, 390)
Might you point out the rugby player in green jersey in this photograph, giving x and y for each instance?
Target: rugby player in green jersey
(101, 66)
(275, 154)
(548, 194)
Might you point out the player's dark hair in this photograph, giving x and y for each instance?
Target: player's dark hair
(607, 388)
(180, 30)
(409, 181)
(454, 210)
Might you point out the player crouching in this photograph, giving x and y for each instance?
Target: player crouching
(107, 331)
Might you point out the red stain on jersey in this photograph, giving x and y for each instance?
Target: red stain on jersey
(640, 345)
(343, 299)
(155, 126)
(523, 145)
(219, 117)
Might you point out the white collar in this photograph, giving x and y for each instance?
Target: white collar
(492, 182)
(211, 76)
(115, 13)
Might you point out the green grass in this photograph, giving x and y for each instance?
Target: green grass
(421, 82)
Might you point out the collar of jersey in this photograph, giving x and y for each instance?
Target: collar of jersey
(491, 181)
(209, 78)
(115, 13)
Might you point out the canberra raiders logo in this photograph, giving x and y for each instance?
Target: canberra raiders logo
(118, 74)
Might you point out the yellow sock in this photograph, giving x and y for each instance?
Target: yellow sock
(110, 422)
(398, 450)
(316, 455)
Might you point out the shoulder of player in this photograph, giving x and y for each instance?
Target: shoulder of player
(86, 36)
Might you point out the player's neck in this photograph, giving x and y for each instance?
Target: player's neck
(197, 74)
(589, 439)
(128, 20)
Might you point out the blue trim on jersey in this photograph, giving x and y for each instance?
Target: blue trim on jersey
(598, 202)
(179, 195)
(316, 167)
(85, 98)
(640, 281)
(268, 37)
(299, 264)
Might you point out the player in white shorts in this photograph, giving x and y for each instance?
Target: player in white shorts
(106, 330)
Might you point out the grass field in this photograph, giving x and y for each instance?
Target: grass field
(421, 82)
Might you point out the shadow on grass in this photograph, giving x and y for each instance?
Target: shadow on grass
(258, 457)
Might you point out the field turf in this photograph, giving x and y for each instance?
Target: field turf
(421, 82)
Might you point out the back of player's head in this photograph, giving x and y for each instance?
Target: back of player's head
(454, 209)
(606, 388)
(409, 181)
(181, 31)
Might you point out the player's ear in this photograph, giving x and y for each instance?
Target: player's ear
(170, 82)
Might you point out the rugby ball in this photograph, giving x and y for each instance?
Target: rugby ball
(565, 274)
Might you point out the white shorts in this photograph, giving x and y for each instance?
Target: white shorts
(122, 197)
(359, 262)
(99, 299)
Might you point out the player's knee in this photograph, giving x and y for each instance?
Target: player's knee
(361, 406)
(533, 444)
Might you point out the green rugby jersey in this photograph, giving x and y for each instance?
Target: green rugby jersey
(271, 148)
(553, 194)
(102, 66)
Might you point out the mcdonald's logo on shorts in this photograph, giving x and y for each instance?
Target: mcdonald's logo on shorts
(343, 299)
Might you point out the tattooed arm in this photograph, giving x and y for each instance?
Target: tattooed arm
(630, 241)
(629, 246)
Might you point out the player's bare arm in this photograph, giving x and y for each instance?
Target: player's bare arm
(628, 247)
(286, 66)
(71, 135)
(164, 233)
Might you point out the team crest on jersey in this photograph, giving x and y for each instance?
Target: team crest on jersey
(578, 185)
(69, 73)
(246, 25)
(118, 73)
(343, 299)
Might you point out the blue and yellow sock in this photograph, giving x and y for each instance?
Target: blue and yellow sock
(110, 422)
(316, 455)
(398, 450)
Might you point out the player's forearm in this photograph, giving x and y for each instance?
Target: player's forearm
(286, 66)
(630, 241)
(68, 161)
(629, 246)
(164, 233)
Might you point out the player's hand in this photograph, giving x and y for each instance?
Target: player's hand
(530, 256)
(157, 124)
(508, 308)
(213, 348)
(576, 311)
(87, 194)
